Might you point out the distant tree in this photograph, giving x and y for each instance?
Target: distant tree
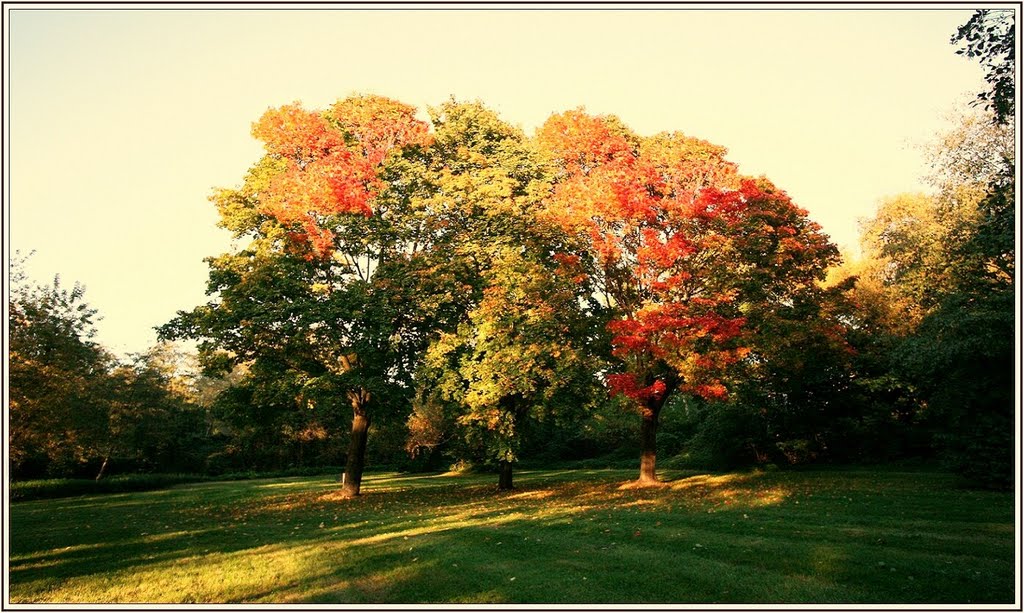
(59, 377)
(154, 419)
(942, 268)
(905, 251)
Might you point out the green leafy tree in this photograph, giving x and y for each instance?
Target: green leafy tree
(154, 421)
(518, 357)
(313, 306)
(59, 380)
(74, 407)
(940, 269)
(509, 351)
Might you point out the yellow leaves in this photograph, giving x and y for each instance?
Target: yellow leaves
(438, 351)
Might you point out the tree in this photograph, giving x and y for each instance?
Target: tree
(314, 304)
(517, 356)
(74, 408)
(154, 421)
(508, 350)
(904, 247)
(948, 261)
(58, 375)
(683, 248)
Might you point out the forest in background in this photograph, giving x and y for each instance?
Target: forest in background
(420, 296)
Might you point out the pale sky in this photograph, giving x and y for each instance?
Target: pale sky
(123, 121)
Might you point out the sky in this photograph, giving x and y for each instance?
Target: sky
(122, 122)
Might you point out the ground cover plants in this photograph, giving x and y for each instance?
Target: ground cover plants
(579, 536)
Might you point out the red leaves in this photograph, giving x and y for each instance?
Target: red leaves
(673, 329)
(676, 233)
(627, 385)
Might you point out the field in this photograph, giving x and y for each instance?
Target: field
(834, 536)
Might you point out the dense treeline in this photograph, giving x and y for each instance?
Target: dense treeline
(418, 295)
(77, 411)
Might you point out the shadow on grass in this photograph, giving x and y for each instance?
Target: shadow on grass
(737, 538)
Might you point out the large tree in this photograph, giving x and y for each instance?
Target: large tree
(510, 350)
(315, 304)
(684, 250)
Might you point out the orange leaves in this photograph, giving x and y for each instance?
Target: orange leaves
(711, 391)
(330, 162)
(659, 215)
(603, 191)
(291, 131)
(379, 125)
(580, 142)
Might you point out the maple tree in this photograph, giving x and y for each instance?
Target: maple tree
(683, 249)
(312, 301)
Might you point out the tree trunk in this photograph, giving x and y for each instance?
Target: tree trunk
(648, 445)
(649, 433)
(103, 468)
(356, 460)
(504, 475)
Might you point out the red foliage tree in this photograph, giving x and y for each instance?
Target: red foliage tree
(683, 247)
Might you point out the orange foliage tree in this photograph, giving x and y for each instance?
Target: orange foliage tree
(313, 296)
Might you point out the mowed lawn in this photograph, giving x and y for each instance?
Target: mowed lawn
(834, 536)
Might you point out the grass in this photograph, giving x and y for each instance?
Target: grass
(560, 537)
(63, 488)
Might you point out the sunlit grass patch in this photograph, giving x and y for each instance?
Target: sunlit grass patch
(559, 537)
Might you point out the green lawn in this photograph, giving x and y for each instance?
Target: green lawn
(837, 536)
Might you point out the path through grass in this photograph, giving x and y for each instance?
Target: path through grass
(560, 537)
